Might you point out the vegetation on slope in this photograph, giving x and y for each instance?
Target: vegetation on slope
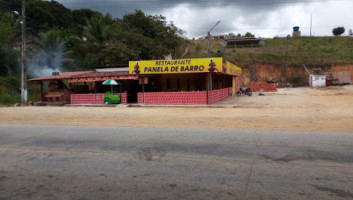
(71, 40)
(305, 50)
(60, 39)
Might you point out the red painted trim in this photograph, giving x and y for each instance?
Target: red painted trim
(92, 99)
(217, 95)
(183, 98)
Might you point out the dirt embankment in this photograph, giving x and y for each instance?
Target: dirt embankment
(302, 109)
(295, 74)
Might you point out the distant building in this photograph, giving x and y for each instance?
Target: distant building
(296, 32)
(234, 42)
(219, 37)
(338, 78)
(214, 37)
(317, 78)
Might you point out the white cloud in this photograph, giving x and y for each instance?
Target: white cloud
(263, 23)
(265, 18)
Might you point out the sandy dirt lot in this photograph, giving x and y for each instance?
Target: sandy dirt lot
(296, 109)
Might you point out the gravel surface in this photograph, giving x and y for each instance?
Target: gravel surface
(299, 109)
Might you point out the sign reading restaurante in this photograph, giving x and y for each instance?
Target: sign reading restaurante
(192, 65)
(195, 65)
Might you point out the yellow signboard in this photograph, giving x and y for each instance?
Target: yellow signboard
(194, 65)
(232, 69)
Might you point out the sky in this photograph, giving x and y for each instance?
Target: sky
(264, 18)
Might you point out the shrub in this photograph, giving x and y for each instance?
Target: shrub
(338, 31)
(10, 98)
(298, 80)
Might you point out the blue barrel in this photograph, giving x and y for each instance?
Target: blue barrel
(295, 28)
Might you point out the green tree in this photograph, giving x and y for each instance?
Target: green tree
(96, 38)
(48, 53)
(248, 34)
(79, 19)
(8, 55)
(96, 29)
(10, 5)
(89, 37)
(41, 15)
(8, 60)
(135, 36)
(338, 31)
(156, 37)
(80, 16)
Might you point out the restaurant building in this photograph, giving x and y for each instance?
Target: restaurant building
(198, 81)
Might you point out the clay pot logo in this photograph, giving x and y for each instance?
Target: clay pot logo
(212, 66)
(137, 68)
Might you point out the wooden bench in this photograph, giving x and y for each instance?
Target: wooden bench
(52, 96)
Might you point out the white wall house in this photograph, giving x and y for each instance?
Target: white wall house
(316, 80)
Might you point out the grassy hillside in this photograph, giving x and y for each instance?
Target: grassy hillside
(307, 50)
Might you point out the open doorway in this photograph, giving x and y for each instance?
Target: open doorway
(131, 87)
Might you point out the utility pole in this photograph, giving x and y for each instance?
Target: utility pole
(286, 62)
(311, 23)
(209, 76)
(209, 86)
(209, 36)
(23, 57)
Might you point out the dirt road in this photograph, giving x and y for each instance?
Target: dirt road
(295, 109)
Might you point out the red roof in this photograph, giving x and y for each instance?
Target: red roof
(63, 75)
(102, 74)
(81, 74)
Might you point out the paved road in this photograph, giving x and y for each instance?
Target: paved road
(71, 162)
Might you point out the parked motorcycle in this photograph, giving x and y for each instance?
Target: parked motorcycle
(246, 91)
